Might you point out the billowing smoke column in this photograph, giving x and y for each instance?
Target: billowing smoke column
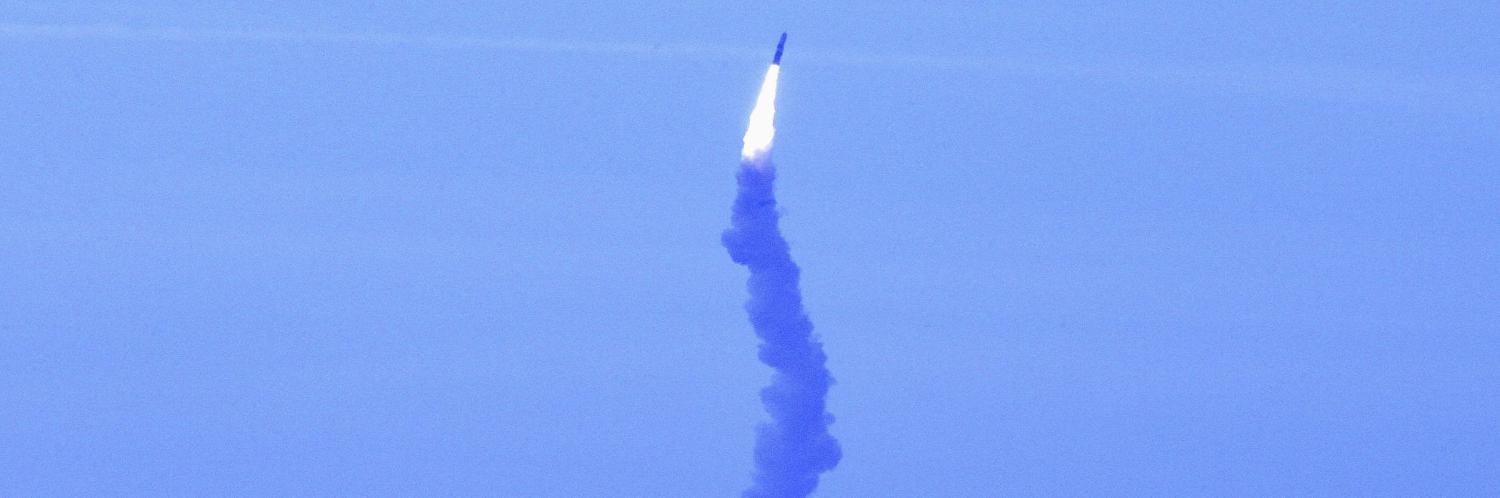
(795, 446)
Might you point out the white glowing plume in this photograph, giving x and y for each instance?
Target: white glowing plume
(762, 129)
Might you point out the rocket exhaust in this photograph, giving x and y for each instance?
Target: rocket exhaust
(794, 447)
(762, 130)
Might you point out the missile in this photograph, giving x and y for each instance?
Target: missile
(762, 127)
(781, 45)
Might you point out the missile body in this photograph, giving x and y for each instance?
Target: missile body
(781, 45)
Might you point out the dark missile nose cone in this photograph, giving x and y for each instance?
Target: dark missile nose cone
(781, 45)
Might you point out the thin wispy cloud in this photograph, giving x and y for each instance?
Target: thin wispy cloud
(1446, 92)
(170, 34)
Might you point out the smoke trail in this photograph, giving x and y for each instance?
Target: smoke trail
(795, 446)
(792, 449)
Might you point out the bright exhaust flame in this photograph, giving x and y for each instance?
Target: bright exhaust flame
(762, 130)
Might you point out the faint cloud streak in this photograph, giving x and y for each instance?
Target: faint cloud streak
(1340, 84)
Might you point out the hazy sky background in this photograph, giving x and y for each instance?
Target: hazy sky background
(440, 247)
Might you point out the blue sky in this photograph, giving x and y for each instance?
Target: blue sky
(471, 248)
